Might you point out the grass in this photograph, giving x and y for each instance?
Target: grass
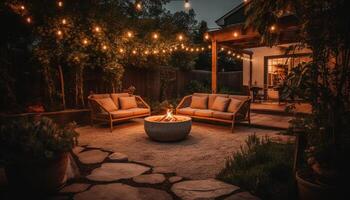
(264, 168)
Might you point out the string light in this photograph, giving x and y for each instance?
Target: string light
(104, 47)
(175, 48)
(206, 36)
(138, 6)
(192, 49)
(23, 7)
(155, 36)
(209, 47)
(59, 33)
(229, 52)
(85, 41)
(155, 52)
(222, 49)
(64, 21)
(187, 4)
(134, 52)
(163, 51)
(97, 29)
(235, 34)
(203, 48)
(60, 3)
(272, 28)
(129, 34)
(121, 50)
(29, 20)
(146, 52)
(197, 49)
(180, 37)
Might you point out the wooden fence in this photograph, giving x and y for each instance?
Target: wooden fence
(148, 83)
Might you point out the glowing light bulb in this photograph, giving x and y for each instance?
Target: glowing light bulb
(97, 29)
(138, 6)
(29, 20)
(85, 41)
(187, 49)
(272, 28)
(134, 52)
(238, 56)
(229, 52)
(192, 49)
(163, 51)
(121, 50)
(206, 36)
(155, 52)
(175, 48)
(104, 47)
(235, 34)
(64, 21)
(59, 33)
(187, 4)
(202, 48)
(209, 47)
(155, 36)
(222, 49)
(60, 3)
(23, 7)
(129, 34)
(180, 37)
(146, 52)
(197, 49)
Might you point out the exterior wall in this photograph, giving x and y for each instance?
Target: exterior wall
(259, 54)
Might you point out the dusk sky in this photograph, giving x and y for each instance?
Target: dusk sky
(207, 10)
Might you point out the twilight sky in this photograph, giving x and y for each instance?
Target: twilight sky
(207, 10)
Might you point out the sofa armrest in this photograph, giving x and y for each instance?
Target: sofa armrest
(185, 102)
(243, 110)
(96, 108)
(141, 102)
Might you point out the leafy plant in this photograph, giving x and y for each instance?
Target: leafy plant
(262, 167)
(197, 86)
(35, 141)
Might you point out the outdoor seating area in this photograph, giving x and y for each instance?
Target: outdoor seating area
(174, 99)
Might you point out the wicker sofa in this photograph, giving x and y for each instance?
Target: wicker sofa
(226, 108)
(117, 107)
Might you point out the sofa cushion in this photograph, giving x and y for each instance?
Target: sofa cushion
(139, 111)
(223, 115)
(220, 104)
(239, 97)
(115, 97)
(234, 104)
(203, 113)
(127, 102)
(186, 111)
(212, 98)
(122, 113)
(107, 104)
(199, 102)
(201, 94)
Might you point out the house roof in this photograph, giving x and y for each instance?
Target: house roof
(235, 12)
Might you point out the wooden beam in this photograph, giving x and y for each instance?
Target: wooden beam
(250, 70)
(214, 70)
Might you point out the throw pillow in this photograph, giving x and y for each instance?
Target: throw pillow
(199, 102)
(127, 102)
(234, 104)
(220, 104)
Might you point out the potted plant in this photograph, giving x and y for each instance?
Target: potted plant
(35, 154)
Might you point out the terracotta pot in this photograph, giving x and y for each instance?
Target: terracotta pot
(38, 178)
(309, 191)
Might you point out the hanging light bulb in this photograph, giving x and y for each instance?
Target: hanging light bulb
(85, 41)
(64, 21)
(121, 50)
(129, 34)
(60, 3)
(104, 47)
(235, 34)
(187, 4)
(134, 51)
(155, 36)
(29, 20)
(181, 37)
(138, 6)
(272, 28)
(206, 36)
(59, 33)
(22, 7)
(97, 29)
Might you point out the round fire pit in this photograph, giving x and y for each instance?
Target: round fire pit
(167, 131)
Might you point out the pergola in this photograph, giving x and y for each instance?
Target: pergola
(239, 38)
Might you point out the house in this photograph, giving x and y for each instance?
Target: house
(261, 66)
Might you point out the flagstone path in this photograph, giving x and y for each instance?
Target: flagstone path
(114, 179)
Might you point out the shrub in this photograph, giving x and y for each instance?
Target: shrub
(263, 168)
(35, 141)
(196, 86)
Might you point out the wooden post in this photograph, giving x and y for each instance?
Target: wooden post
(250, 70)
(214, 70)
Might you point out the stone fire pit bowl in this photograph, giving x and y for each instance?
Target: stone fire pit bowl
(167, 131)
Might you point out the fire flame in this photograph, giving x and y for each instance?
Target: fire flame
(169, 116)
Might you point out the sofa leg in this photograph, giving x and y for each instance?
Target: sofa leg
(232, 126)
(111, 126)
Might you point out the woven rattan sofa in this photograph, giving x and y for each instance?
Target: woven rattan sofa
(117, 107)
(227, 109)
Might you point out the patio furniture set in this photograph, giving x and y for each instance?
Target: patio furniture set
(118, 107)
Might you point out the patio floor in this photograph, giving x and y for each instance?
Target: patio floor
(201, 156)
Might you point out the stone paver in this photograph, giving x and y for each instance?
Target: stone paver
(150, 178)
(202, 189)
(116, 171)
(242, 196)
(174, 179)
(76, 150)
(120, 157)
(119, 191)
(163, 170)
(92, 156)
(75, 188)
